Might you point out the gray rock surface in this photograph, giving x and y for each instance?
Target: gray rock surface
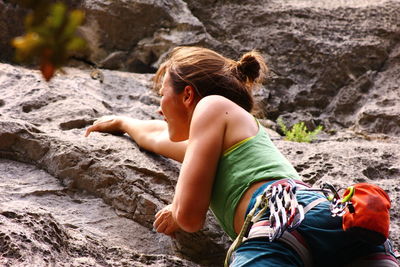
(91, 201)
(333, 63)
(43, 223)
(43, 124)
(75, 201)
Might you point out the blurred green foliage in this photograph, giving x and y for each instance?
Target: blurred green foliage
(299, 132)
(50, 35)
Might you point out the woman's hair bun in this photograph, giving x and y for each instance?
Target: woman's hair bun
(251, 67)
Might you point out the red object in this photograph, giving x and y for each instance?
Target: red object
(370, 219)
(47, 70)
(47, 66)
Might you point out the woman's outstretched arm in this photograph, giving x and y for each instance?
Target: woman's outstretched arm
(151, 135)
(193, 189)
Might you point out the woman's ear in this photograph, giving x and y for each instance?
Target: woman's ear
(189, 95)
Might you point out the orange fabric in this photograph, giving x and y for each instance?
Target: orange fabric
(371, 218)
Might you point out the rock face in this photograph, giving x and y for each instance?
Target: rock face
(42, 126)
(45, 224)
(334, 63)
(91, 201)
(70, 200)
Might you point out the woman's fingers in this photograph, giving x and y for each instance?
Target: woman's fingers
(160, 217)
(161, 223)
(170, 230)
(103, 124)
(157, 221)
(104, 119)
(165, 223)
(88, 131)
(92, 128)
(166, 227)
(162, 226)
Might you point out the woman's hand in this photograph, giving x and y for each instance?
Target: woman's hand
(106, 124)
(165, 222)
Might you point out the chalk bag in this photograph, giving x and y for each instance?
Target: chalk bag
(368, 216)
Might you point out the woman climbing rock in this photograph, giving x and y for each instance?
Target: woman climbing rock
(229, 161)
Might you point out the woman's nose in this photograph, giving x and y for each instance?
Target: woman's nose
(159, 111)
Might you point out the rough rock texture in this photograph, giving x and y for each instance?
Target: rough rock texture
(45, 224)
(334, 63)
(42, 124)
(70, 200)
(129, 35)
(91, 201)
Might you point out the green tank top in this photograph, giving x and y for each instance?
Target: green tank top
(251, 160)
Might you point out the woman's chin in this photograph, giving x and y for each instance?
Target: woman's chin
(177, 137)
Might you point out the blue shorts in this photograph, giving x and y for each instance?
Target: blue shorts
(328, 244)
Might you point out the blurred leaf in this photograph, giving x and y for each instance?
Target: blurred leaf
(57, 15)
(75, 19)
(26, 45)
(75, 44)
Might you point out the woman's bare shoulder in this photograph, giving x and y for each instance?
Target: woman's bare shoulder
(216, 104)
(226, 116)
(210, 110)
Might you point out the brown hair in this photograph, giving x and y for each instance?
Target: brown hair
(213, 74)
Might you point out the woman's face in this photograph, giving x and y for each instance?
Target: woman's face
(174, 111)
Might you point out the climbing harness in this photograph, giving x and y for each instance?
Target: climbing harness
(286, 214)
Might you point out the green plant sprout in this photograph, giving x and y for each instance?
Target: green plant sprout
(299, 132)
